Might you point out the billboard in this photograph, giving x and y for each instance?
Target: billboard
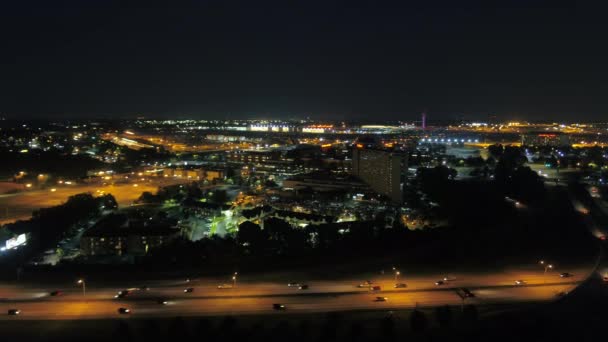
(16, 241)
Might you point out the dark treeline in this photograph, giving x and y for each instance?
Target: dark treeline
(49, 225)
(483, 228)
(53, 162)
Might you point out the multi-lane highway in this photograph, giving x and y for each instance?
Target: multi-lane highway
(256, 297)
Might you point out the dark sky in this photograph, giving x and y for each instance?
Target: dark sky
(340, 59)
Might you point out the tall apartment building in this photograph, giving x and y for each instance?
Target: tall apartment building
(380, 169)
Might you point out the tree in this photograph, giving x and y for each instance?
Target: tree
(204, 330)
(150, 330)
(194, 191)
(434, 181)
(418, 321)
(387, 327)
(496, 150)
(177, 327)
(227, 328)
(527, 184)
(108, 202)
(147, 197)
(122, 332)
(443, 315)
(219, 196)
(330, 328)
(281, 331)
(470, 314)
(277, 229)
(357, 333)
(252, 235)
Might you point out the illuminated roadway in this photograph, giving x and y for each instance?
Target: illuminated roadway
(254, 297)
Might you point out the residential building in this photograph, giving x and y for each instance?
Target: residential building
(380, 169)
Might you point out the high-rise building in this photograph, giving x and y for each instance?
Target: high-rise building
(380, 169)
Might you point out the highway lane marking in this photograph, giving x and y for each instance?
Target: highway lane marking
(296, 294)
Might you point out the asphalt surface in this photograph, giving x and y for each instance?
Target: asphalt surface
(254, 297)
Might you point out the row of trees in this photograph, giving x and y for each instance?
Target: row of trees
(48, 162)
(333, 328)
(511, 177)
(49, 225)
(515, 179)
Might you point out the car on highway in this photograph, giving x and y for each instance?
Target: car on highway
(381, 299)
(123, 294)
(224, 286)
(279, 306)
(400, 285)
(565, 275)
(440, 282)
(449, 278)
(605, 279)
(124, 311)
(189, 290)
(162, 301)
(14, 312)
(303, 287)
(292, 284)
(144, 288)
(56, 293)
(603, 237)
(520, 282)
(467, 293)
(366, 283)
(376, 288)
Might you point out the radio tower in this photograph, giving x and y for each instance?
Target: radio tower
(423, 121)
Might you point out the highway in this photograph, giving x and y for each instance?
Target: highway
(255, 297)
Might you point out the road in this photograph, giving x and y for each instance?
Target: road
(256, 297)
(19, 206)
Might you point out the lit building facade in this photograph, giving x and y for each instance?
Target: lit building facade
(545, 139)
(381, 170)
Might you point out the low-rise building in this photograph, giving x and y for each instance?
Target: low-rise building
(324, 181)
(543, 138)
(117, 235)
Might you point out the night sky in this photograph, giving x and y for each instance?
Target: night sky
(283, 59)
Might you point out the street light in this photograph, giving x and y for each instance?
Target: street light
(84, 286)
(546, 267)
(397, 274)
(234, 279)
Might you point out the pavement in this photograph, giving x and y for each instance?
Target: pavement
(255, 297)
(19, 206)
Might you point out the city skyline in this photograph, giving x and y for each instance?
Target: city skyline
(235, 170)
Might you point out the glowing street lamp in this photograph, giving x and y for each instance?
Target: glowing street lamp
(234, 279)
(546, 267)
(84, 287)
(397, 274)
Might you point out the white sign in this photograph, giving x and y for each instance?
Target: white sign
(16, 241)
